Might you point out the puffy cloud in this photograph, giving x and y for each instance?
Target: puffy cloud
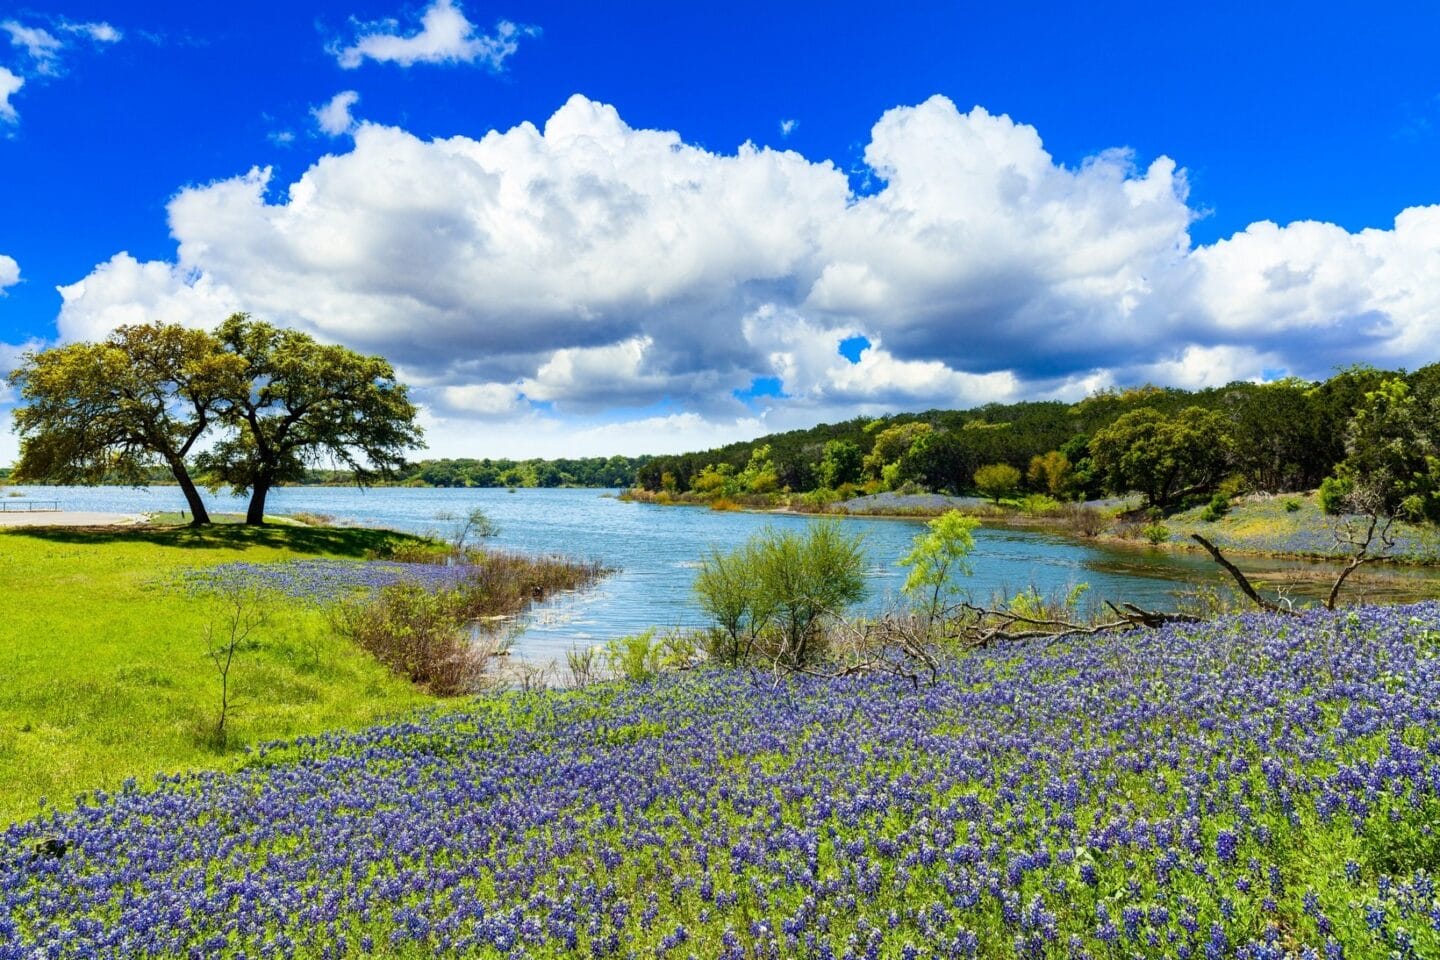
(123, 291)
(542, 273)
(445, 36)
(100, 32)
(9, 272)
(9, 84)
(42, 46)
(43, 51)
(334, 117)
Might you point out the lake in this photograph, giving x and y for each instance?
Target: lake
(654, 550)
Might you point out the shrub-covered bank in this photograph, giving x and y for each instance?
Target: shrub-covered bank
(1257, 787)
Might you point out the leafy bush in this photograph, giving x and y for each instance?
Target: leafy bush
(1219, 506)
(418, 634)
(783, 583)
(1292, 504)
(1157, 533)
(1040, 505)
(1334, 494)
(997, 480)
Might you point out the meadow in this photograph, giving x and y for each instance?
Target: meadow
(1256, 787)
(103, 661)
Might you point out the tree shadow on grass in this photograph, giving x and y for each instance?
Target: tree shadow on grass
(332, 541)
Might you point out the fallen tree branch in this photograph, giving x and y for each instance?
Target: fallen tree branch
(1240, 579)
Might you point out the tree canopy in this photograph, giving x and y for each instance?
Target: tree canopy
(249, 406)
(92, 411)
(305, 403)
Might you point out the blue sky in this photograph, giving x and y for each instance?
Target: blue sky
(689, 221)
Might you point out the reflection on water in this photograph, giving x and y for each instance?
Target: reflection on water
(655, 551)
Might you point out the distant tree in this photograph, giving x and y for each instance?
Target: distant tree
(891, 443)
(1163, 457)
(1052, 473)
(303, 403)
(109, 411)
(1277, 447)
(997, 480)
(1392, 463)
(842, 463)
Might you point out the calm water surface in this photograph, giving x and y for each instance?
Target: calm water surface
(655, 549)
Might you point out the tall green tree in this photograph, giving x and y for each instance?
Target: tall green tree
(305, 403)
(1162, 456)
(145, 395)
(1392, 462)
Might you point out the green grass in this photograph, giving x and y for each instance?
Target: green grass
(103, 666)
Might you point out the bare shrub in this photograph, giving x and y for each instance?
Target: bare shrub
(420, 635)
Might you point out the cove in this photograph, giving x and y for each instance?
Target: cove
(654, 551)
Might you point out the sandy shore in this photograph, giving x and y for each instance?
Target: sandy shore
(66, 518)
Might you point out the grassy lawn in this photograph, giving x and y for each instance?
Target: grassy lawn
(103, 666)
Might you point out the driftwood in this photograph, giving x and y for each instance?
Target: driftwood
(1377, 530)
(913, 645)
(1242, 581)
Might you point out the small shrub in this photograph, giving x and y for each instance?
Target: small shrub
(583, 665)
(1217, 508)
(418, 634)
(1334, 492)
(997, 480)
(1086, 521)
(1157, 533)
(1040, 505)
(1292, 504)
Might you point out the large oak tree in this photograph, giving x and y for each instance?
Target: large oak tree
(305, 403)
(108, 411)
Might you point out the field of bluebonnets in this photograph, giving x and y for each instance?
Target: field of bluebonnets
(1254, 787)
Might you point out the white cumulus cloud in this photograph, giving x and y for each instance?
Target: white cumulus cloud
(584, 267)
(445, 36)
(100, 31)
(9, 85)
(40, 45)
(9, 273)
(334, 117)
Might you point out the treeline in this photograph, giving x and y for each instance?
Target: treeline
(1282, 436)
(614, 471)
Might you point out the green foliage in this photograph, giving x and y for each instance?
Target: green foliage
(759, 475)
(1052, 473)
(304, 402)
(1218, 506)
(1392, 455)
(842, 463)
(1039, 505)
(1292, 504)
(1033, 605)
(113, 410)
(997, 480)
(891, 444)
(1162, 456)
(783, 582)
(1334, 493)
(726, 589)
(935, 557)
(1157, 533)
(105, 666)
(641, 656)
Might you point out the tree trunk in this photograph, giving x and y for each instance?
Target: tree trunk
(255, 513)
(200, 517)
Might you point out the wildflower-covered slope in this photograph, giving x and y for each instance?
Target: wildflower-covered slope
(1258, 787)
